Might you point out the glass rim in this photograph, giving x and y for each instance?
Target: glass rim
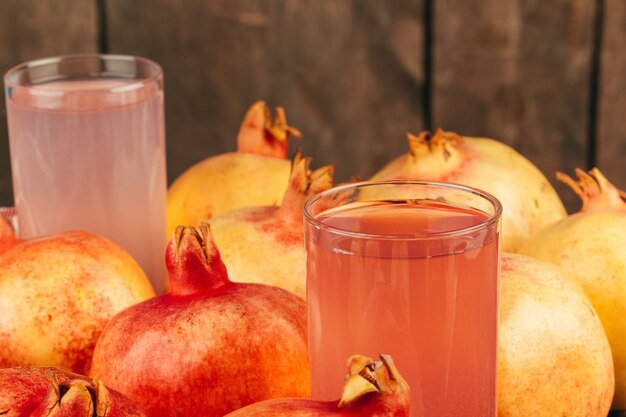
(40, 62)
(493, 218)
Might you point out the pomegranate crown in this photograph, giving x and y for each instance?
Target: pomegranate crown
(304, 183)
(367, 376)
(76, 397)
(193, 261)
(595, 191)
(260, 135)
(441, 142)
(439, 153)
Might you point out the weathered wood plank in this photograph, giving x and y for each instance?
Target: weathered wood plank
(518, 71)
(611, 141)
(32, 29)
(348, 72)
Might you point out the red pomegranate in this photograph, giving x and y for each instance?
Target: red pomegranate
(51, 392)
(373, 389)
(253, 236)
(255, 175)
(209, 346)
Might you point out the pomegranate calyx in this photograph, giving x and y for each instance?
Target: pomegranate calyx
(71, 398)
(361, 380)
(193, 261)
(434, 153)
(366, 376)
(260, 135)
(103, 400)
(303, 183)
(594, 190)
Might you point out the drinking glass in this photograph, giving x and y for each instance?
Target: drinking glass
(407, 268)
(86, 136)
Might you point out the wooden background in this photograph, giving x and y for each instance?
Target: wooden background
(547, 77)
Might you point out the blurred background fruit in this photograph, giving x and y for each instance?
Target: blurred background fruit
(546, 78)
(528, 200)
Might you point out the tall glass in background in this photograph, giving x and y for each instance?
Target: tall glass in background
(86, 135)
(410, 269)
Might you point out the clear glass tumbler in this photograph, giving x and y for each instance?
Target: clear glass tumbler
(411, 269)
(87, 142)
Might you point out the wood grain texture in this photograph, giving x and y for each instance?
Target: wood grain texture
(518, 71)
(348, 72)
(31, 29)
(611, 141)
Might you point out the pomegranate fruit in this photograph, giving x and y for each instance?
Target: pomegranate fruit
(272, 236)
(209, 346)
(7, 235)
(257, 174)
(371, 389)
(529, 201)
(56, 295)
(591, 246)
(51, 392)
(554, 357)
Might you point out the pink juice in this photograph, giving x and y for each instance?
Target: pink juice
(90, 155)
(425, 294)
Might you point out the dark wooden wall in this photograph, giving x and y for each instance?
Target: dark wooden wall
(547, 77)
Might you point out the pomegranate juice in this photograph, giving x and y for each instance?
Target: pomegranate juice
(397, 278)
(90, 155)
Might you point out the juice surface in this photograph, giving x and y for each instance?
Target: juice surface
(84, 158)
(428, 296)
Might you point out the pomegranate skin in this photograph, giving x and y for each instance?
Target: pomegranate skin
(554, 358)
(529, 201)
(51, 392)
(254, 236)
(7, 236)
(371, 390)
(272, 236)
(57, 294)
(208, 347)
(590, 246)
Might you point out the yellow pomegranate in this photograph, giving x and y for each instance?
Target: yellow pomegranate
(56, 295)
(591, 246)
(554, 357)
(265, 244)
(257, 174)
(529, 201)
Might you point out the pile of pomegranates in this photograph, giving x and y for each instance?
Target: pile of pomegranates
(230, 335)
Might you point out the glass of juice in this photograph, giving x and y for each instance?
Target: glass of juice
(407, 268)
(87, 143)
